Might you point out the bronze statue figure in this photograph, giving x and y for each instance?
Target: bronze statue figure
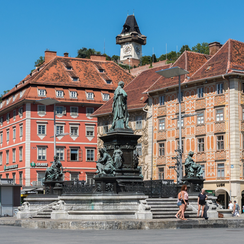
(192, 169)
(105, 164)
(118, 157)
(55, 171)
(120, 112)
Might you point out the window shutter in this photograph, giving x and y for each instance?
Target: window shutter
(68, 155)
(80, 155)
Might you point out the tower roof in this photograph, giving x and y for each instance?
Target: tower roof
(130, 25)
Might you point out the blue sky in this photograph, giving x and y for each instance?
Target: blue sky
(28, 28)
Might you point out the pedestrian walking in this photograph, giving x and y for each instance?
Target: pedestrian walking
(184, 201)
(236, 209)
(231, 205)
(179, 203)
(201, 201)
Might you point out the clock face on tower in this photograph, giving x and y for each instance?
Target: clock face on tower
(127, 49)
(138, 50)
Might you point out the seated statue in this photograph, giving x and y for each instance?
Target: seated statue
(191, 168)
(55, 171)
(105, 164)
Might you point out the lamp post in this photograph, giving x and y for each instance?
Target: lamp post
(168, 73)
(50, 101)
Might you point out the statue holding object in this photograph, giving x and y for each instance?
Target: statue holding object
(55, 171)
(192, 169)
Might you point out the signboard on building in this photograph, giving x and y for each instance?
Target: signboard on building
(39, 164)
(10, 167)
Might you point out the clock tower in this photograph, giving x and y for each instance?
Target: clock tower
(131, 41)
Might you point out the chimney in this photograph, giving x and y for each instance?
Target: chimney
(214, 47)
(66, 54)
(49, 55)
(96, 57)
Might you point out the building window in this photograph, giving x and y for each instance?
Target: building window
(75, 78)
(182, 123)
(7, 157)
(14, 178)
(41, 153)
(203, 170)
(60, 153)
(105, 128)
(161, 173)
(161, 100)
(14, 114)
(105, 96)
(73, 130)
(161, 148)
(89, 179)
(41, 129)
(7, 135)
(219, 114)
(74, 111)
(14, 155)
(21, 112)
(1, 137)
(220, 170)
(90, 95)
(89, 112)
(90, 154)
(73, 94)
(161, 124)
(108, 82)
(138, 122)
(1, 158)
(59, 129)
(7, 176)
(7, 117)
(89, 131)
(40, 176)
(68, 67)
(21, 131)
(101, 70)
(200, 91)
(60, 110)
(41, 109)
(20, 153)
(220, 142)
(220, 88)
(74, 154)
(200, 144)
(41, 92)
(1, 121)
(200, 118)
(139, 149)
(74, 176)
(59, 93)
(20, 178)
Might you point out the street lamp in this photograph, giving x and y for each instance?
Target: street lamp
(168, 73)
(50, 101)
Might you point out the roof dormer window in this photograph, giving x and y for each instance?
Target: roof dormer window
(59, 93)
(75, 78)
(73, 94)
(14, 96)
(68, 67)
(41, 92)
(105, 96)
(101, 70)
(21, 94)
(108, 82)
(90, 95)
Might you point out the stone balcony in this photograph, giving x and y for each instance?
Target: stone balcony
(219, 127)
(220, 155)
(200, 104)
(219, 100)
(201, 156)
(161, 135)
(161, 111)
(200, 129)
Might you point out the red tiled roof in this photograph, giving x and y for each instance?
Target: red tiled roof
(55, 74)
(189, 61)
(134, 90)
(229, 58)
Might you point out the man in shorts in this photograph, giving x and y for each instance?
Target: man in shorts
(201, 201)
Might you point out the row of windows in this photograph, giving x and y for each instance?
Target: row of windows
(200, 119)
(200, 93)
(73, 154)
(14, 133)
(72, 94)
(200, 145)
(7, 118)
(14, 177)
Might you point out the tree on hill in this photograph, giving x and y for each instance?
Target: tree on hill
(201, 48)
(154, 59)
(115, 58)
(184, 48)
(86, 53)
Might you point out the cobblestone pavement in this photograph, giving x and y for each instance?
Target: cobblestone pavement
(12, 235)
